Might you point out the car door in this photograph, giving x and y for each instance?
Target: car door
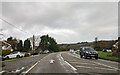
(14, 54)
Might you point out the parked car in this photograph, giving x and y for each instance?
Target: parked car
(0, 57)
(35, 52)
(15, 54)
(71, 50)
(46, 51)
(88, 52)
(105, 50)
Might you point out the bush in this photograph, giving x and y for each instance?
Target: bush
(27, 55)
(5, 52)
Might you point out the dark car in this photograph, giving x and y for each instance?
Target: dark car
(35, 52)
(88, 52)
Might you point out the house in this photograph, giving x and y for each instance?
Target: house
(5, 45)
(39, 48)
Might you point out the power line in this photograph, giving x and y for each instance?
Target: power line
(14, 26)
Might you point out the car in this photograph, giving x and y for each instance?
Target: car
(105, 50)
(15, 54)
(0, 57)
(71, 50)
(46, 51)
(35, 52)
(88, 52)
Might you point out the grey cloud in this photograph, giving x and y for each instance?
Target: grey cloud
(67, 22)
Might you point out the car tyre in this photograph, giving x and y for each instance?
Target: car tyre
(81, 56)
(18, 56)
(7, 58)
(90, 57)
(85, 57)
(96, 57)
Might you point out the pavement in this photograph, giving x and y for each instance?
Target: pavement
(69, 63)
(65, 63)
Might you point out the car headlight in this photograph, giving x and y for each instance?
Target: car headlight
(87, 52)
(96, 52)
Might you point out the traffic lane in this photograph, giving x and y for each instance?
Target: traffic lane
(102, 62)
(84, 65)
(44, 66)
(18, 64)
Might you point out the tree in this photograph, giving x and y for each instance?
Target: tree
(9, 39)
(48, 43)
(13, 42)
(20, 46)
(27, 45)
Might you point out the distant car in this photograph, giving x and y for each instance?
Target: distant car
(15, 54)
(105, 50)
(35, 52)
(88, 52)
(71, 50)
(78, 50)
(46, 51)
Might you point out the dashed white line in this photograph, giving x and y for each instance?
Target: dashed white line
(95, 68)
(105, 65)
(96, 62)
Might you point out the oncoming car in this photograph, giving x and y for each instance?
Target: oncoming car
(88, 52)
(71, 50)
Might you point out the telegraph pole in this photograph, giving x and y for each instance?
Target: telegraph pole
(1, 35)
(33, 41)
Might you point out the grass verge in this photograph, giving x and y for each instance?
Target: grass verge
(13, 59)
(106, 56)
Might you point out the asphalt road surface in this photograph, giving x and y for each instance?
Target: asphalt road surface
(69, 63)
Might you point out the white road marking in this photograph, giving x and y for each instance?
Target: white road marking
(24, 73)
(71, 66)
(31, 68)
(108, 61)
(83, 63)
(97, 63)
(52, 61)
(105, 65)
(95, 68)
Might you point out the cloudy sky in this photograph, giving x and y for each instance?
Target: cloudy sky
(67, 22)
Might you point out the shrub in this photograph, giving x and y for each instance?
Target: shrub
(26, 55)
(5, 52)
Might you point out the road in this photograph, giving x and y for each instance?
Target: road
(24, 63)
(68, 63)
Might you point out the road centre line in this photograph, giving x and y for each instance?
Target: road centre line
(24, 73)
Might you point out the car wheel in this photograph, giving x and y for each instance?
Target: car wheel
(96, 57)
(85, 57)
(90, 57)
(7, 57)
(18, 56)
(81, 56)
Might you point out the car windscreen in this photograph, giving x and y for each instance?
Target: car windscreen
(13, 52)
(89, 49)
